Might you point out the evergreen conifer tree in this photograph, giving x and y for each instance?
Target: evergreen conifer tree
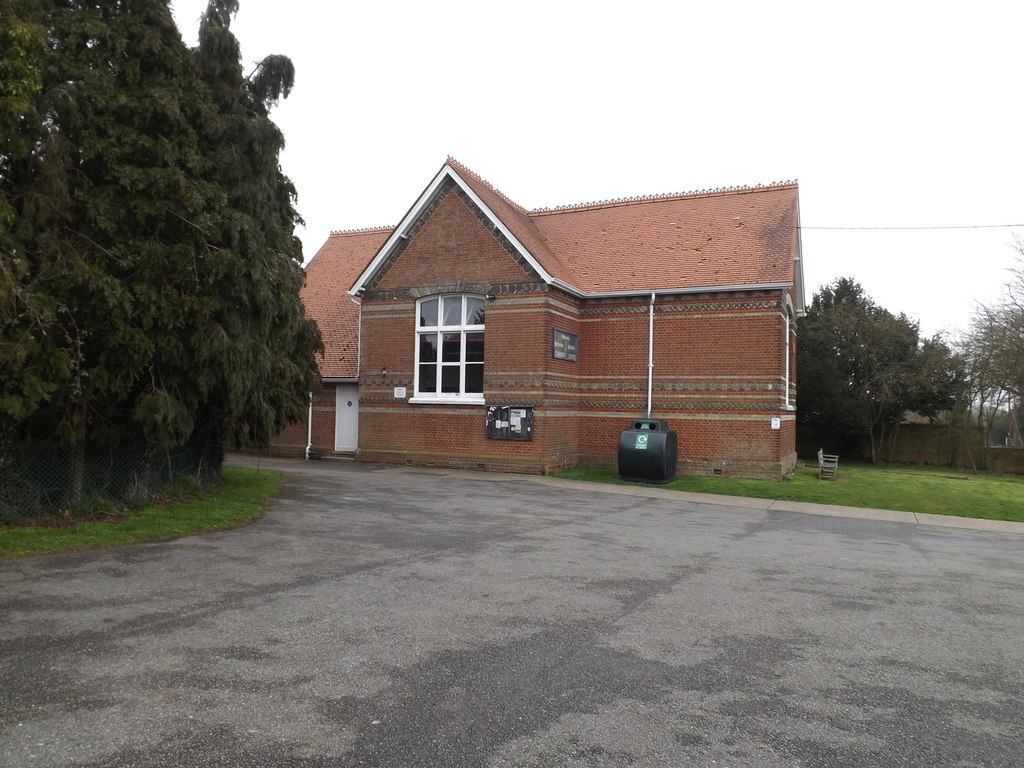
(30, 364)
(271, 357)
(151, 273)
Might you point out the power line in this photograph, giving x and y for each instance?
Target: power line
(964, 226)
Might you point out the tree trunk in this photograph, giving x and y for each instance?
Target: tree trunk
(892, 442)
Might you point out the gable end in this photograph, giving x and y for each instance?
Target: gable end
(443, 186)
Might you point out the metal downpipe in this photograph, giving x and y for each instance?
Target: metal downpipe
(650, 356)
(309, 427)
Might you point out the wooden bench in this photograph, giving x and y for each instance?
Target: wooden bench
(828, 466)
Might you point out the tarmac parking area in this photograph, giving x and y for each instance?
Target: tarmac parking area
(396, 617)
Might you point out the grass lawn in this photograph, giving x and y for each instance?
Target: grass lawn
(180, 511)
(933, 490)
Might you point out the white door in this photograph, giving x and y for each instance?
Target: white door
(346, 418)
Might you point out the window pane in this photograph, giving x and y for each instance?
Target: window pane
(450, 378)
(428, 312)
(428, 347)
(428, 378)
(451, 348)
(475, 378)
(474, 347)
(474, 311)
(452, 311)
(450, 358)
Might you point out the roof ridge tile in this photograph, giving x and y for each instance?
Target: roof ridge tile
(619, 201)
(362, 230)
(469, 172)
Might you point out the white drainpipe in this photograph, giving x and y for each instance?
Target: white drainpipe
(650, 356)
(359, 336)
(309, 427)
(785, 347)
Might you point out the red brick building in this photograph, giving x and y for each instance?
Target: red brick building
(494, 337)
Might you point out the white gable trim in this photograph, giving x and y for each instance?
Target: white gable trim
(400, 233)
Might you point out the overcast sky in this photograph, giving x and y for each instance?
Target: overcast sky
(889, 114)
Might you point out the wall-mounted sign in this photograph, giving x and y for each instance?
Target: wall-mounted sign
(565, 346)
(509, 423)
(399, 393)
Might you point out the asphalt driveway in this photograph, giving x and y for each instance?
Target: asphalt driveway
(398, 617)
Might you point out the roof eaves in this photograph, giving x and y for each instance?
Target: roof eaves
(739, 287)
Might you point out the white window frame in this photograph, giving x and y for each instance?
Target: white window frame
(463, 328)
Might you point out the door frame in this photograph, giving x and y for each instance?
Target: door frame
(346, 398)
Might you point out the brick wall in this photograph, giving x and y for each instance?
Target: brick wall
(291, 441)
(719, 368)
(718, 377)
(1009, 460)
(519, 371)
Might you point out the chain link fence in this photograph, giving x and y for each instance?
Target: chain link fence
(40, 478)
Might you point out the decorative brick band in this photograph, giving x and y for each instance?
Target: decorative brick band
(618, 386)
(456, 286)
(705, 408)
(643, 309)
(581, 407)
(452, 286)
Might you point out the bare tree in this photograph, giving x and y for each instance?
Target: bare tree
(981, 397)
(993, 351)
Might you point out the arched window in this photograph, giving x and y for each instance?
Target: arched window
(450, 347)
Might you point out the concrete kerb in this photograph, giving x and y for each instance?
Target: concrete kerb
(742, 502)
(802, 507)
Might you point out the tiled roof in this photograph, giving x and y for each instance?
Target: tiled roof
(725, 238)
(328, 277)
(715, 238)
